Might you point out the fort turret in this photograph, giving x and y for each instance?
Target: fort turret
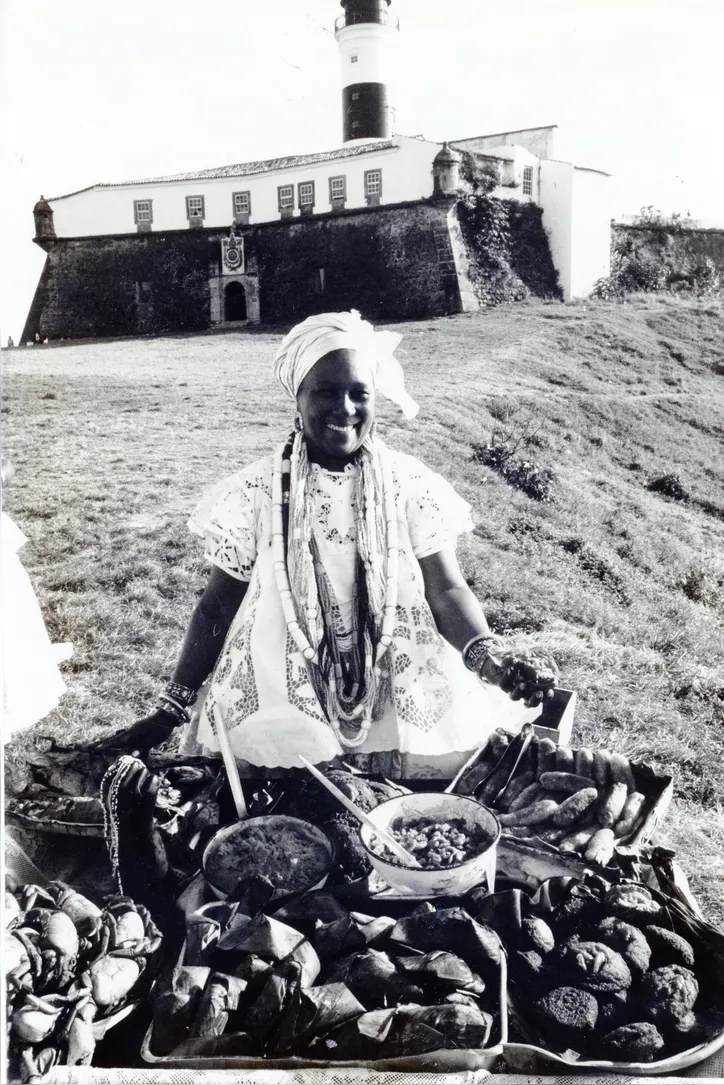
(366, 33)
(43, 215)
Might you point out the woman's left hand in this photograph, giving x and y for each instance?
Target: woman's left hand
(527, 679)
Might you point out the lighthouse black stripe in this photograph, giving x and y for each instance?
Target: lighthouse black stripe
(364, 111)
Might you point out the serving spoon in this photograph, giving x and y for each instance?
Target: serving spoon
(387, 838)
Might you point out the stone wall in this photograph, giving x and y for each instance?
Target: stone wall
(392, 262)
(395, 262)
(685, 247)
(129, 285)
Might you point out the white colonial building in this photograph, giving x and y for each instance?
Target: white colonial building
(372, 168)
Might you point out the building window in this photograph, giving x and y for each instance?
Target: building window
(355, 124)
(286, 197)
(373, 186)
(144, 293)
(337, 189)
(353, 59)
(242, 205)
(528, 181)
(306, 196)
(355, 95)
(143, 211)
(195, 209)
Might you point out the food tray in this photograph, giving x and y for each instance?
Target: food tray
(708, 942)
(442, 1061)
(530, 860)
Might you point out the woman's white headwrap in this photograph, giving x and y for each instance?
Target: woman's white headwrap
(318, 335)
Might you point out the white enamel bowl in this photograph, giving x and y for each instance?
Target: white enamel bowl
(438, 882)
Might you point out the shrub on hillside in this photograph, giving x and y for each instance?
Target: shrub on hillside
(702, 585)
(514, 430)
(668, 486)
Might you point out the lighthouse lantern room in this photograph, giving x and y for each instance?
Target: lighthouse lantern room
(366, 33)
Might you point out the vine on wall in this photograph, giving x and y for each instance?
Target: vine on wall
(509, 250)
(659, 253)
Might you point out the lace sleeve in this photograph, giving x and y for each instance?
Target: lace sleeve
(436, 514)
(226, 519)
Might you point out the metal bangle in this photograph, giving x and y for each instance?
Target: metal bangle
(184, 694)
(174, 708)
(478, 649)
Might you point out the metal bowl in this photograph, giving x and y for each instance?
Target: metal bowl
(217, 861)
(451, 881)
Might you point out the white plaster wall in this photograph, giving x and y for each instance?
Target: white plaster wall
(538, 141)
(556, 199)
(590, 231)
(516, 159)
(406, 175)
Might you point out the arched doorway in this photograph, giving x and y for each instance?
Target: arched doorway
(234, 302)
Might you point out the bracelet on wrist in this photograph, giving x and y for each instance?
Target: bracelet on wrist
(173, 708)
(183, 694)
(477, 650)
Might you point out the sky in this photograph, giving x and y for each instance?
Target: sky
(121, 89)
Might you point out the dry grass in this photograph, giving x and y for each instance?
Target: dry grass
(114, 442)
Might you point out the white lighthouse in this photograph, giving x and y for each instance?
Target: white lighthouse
(366, 34)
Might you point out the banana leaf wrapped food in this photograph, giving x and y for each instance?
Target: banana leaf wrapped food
(231, 954)
(444, 970)
(311, 1015)
(373, 978)
(354, 931)
(265, 1012)
(269, 938)
(176, 1004)
(249, 967)
(220, 996)
(411, 1030)
(453, 930)
(310, 909)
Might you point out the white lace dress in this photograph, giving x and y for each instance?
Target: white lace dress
(439, 712)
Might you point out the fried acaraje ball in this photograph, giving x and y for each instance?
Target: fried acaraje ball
(575, 916)
(612, 1010)
(591, 965)
(633, 1043)
(668, 994)
(669, 948)
(632, 903)
(567, 1013)
(627, 940)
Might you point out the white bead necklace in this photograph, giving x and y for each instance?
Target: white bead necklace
(311, 656)
(110, 786)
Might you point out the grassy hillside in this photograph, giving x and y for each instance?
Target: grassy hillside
(622, 584)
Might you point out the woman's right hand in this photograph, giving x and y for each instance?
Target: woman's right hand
(142, 735)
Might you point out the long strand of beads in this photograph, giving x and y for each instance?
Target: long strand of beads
(280, 565)
(110, 787)
(390, 594)
(391, 571)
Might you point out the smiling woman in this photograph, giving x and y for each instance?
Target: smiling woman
(336, 621)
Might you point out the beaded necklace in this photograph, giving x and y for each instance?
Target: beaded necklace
(110, 786)
(351, 691)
